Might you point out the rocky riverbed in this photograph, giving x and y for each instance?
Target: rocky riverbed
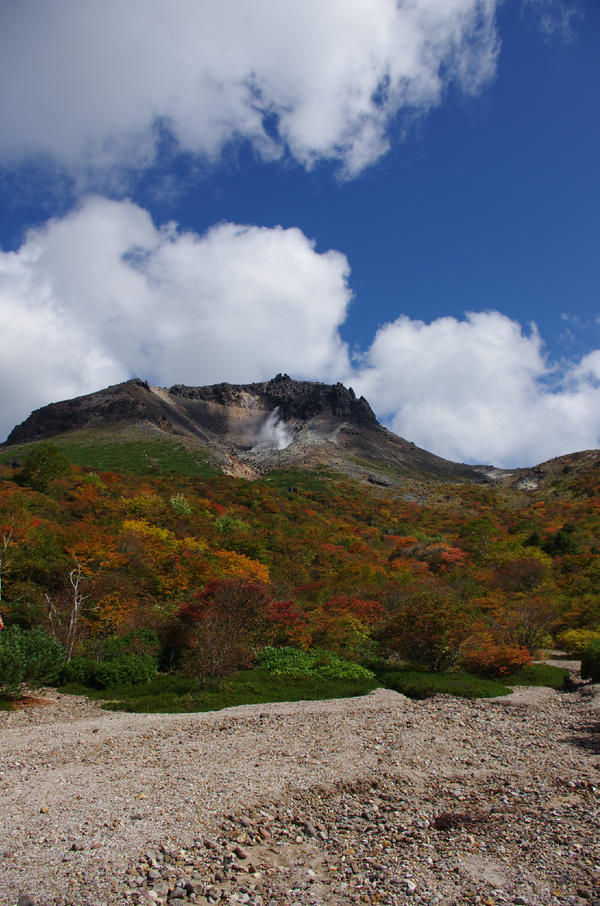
(375, 800)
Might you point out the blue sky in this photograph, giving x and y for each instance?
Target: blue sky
(402, 197)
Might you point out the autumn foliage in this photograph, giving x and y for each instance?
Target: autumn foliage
(223, 625)
(219, 567)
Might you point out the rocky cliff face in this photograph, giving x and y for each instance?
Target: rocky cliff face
(301, 400)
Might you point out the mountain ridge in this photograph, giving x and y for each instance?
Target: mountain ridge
(248, 430)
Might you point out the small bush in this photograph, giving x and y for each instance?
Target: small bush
(122, 670)
(28, 656)
(576, 641)
(43, 463)
(494, 659)
(590, 663)
(126, 670)
(13, 663)
(180, 505)
(79, 670)
(138, 641)
(227, 525)
(315, 662)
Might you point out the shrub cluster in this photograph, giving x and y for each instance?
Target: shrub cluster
(29, 656)
(121, 670)
(126, 660)
(486, 657)
(288, 661)
(577, 641)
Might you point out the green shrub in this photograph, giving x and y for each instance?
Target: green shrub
(288, 661)
(180, 505)
(43, 463)
(227, 525)
(13, 663)
(116, 668)
(138, 641)
(79, 670)
(28, 656)
(126, 670)
(590, 663)
(576, 641)
(121, 670)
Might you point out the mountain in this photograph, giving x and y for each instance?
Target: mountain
(251, 429)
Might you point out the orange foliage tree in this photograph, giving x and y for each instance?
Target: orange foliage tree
(345, 625)
(425, 626)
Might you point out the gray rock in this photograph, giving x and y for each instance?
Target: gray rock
(309, 829)
(161, 889)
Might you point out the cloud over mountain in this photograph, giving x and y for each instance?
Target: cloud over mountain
(481, 389)
(102, 294)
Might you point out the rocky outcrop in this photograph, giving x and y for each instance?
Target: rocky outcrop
(300, 400)
(132, 402)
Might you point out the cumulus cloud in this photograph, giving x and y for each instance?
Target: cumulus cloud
(102, 294)
(481, 390)
(91, 84)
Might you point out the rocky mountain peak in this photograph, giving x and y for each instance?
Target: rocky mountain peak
(297, 400)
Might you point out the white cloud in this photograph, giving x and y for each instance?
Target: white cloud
(588, 369)
(45, 354)
(102, 294)
(87, 83)
(480, 390)
(555, 19)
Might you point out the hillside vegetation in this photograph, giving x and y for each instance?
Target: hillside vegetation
(194, 572)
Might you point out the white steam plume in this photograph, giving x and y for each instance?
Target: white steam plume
(273, 434)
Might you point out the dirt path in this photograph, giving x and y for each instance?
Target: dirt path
(331, 802)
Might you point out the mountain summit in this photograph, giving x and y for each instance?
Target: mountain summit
(251, 429)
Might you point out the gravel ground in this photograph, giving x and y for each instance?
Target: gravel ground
(374, 800)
